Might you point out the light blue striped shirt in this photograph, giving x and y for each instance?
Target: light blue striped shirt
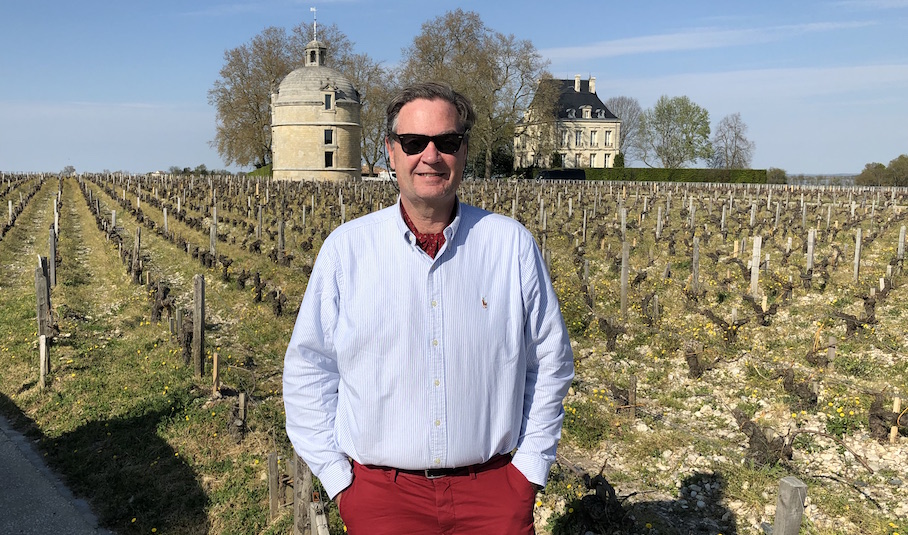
(400, 360)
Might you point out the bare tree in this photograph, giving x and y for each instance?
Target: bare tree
(628, 110)
(376, 85)
(497, 72)
(731, 148)
(674, 132)
(242, 97)
(539, 125)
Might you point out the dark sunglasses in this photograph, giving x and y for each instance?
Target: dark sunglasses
(416, 143)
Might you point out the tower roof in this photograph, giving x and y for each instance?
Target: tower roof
(309, 82)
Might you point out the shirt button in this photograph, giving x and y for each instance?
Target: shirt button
(434, 342)
(437, 382)
(437, 461)
(434, 303)
(437, 423)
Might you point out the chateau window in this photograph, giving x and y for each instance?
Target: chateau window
(592, 160)
(329, 136)
(594, 141)
(576, 160)
(605, 163)
(608, 138)
(564, 138)
(578, 138)
(328, 101)
(586, 113)
(329, 159)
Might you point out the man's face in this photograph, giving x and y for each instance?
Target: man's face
(431, 177)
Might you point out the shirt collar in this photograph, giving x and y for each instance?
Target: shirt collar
(449, 231)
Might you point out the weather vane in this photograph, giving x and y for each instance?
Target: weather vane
(314, 26)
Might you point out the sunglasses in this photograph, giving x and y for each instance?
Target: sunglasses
(416, 143)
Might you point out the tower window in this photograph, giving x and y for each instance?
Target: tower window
(329, 137)
(329, 159)
(328, 101)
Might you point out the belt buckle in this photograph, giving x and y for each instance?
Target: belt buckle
(434, 473)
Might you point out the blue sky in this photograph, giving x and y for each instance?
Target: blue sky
(122, 85)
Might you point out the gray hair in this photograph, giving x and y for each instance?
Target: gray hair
(431, 91)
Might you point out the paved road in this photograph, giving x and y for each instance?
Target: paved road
(33, 500)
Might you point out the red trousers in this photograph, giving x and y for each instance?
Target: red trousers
(385, 501)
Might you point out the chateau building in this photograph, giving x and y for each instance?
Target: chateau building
(315, 123)
(585, 132)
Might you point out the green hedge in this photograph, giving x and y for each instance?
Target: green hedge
(647, 174)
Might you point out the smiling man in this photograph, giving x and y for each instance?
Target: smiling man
(424, 379)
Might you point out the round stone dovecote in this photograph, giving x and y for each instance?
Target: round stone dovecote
(315, 123)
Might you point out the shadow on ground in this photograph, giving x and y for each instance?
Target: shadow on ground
(133, 479)
(697, 511)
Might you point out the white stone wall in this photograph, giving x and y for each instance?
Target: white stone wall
(298, 141)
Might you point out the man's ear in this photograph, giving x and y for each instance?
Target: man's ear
(388, 153)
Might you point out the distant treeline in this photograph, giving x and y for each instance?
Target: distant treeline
(877, 174)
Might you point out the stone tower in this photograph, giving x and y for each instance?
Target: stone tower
(315, 123)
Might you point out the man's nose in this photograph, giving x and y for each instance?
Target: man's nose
(431, 154)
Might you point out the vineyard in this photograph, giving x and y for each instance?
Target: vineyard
(725, 337)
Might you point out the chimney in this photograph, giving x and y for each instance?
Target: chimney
(577, 83)
(592, 84)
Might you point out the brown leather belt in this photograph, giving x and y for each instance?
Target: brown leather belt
(434, 473)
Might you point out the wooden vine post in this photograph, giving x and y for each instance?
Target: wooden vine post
(52, 261)
(632, 398)
(274, 487)
(198, 325)
(625, 252)
(215, 374)
(900, 253)
(42, 296)
(302, 495)
(43, 361)
(213, 232)
(789, 506)
(755, 267)
(695, 268)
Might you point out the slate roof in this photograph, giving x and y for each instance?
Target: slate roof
(569, 100)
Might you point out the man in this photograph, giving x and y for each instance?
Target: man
(428, 347)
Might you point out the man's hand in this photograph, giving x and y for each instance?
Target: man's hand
(337, 499)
